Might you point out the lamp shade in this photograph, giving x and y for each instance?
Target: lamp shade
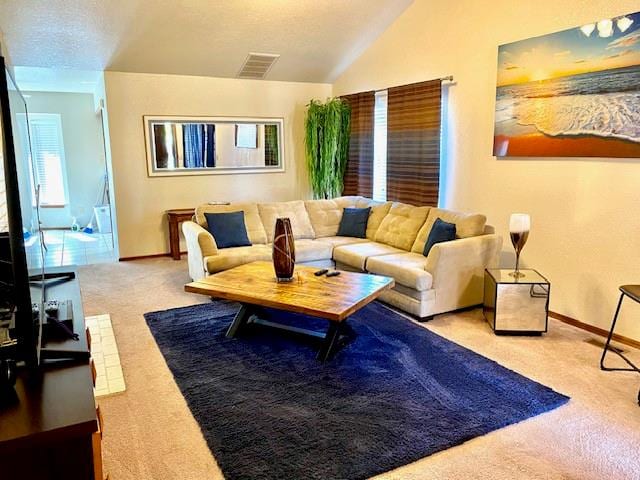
(519, 223)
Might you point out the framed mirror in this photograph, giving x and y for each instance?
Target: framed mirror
(213, 145)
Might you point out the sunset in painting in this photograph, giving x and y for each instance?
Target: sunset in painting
(571, 93)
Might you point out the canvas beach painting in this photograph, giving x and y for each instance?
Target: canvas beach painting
(574, 93)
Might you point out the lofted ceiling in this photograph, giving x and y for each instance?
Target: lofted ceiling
(316, 39)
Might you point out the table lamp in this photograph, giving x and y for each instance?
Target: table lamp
(519, 226)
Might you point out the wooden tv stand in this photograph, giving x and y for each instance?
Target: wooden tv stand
(50, 428)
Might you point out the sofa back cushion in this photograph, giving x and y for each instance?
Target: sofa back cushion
(252, 220)
(228, 229)
(400, 226)
(294, 211)
(467, 225)
(354, 222)
(379, 210)
(325, 215)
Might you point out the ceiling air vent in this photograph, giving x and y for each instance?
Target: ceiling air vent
(257, 65)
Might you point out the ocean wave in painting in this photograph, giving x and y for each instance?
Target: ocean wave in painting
(615, 115)
(604, 104)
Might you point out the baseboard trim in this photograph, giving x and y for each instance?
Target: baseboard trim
(143, 257)
(595, 330)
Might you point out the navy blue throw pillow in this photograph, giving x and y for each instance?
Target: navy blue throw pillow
(440, 232)
(228, 229)
(354, 222)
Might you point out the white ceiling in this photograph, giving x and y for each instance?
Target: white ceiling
(39, 79)
(317, 39)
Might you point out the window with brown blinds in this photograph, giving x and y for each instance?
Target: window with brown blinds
(358, 177)
(413, 143)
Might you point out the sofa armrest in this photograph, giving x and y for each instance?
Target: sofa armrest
(200, 244)
(457, 269)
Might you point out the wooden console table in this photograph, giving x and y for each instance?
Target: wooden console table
(175, 217)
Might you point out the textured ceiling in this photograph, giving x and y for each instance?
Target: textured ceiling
(317, 39)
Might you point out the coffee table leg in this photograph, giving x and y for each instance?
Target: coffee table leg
(331, 342)
(240, 320)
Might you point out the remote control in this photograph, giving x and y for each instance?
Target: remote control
(335, 273)
(321, 272)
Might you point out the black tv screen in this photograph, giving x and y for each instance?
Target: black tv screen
(21, 239)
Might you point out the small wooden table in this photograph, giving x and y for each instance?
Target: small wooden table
(334, 299)
(175, 217)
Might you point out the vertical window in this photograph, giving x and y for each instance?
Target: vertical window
(47, 166)
(380, 147)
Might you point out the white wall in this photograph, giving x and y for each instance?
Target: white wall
(84, 153)
(4, 50)
(585, 224)
(141, 201)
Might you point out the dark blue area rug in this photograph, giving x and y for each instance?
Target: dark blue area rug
(397, 393)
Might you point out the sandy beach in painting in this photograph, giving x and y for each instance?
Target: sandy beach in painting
(559, 109)
(540, 145)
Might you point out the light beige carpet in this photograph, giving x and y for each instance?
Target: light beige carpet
(149, 432)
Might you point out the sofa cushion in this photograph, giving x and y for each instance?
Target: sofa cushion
(228, 229)
(379, 210)
(467, 225)
(401, 225)
(252, 219)
(308, 250)
(235, 256)
(440, 232)
(325, 215)
(356, 254)
(406, 268)
(294, 211)
(337, 241)
(354, 222)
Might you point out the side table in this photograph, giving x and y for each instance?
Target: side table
(516, 306)
(175, 217)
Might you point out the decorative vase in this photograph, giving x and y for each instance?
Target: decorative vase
(284, 250)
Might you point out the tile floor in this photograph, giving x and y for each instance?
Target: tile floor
(65, 247)
(104, 352)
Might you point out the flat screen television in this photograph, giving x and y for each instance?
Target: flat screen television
(21, 245)
(24, 277)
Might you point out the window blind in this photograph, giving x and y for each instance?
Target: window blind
(358, 177)
(413, 143)
(47, 158)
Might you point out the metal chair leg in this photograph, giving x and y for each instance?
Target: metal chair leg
(613, 326)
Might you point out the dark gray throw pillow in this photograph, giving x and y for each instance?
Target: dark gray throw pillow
(354, 222)
(440, 232)
(228, 229)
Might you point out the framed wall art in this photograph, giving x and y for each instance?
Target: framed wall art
(574, 93)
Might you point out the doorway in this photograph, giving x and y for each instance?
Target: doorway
(69, 164)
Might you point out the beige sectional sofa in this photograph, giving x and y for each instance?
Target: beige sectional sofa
(449, 278)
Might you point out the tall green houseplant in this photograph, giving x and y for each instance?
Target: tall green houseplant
(327, 128)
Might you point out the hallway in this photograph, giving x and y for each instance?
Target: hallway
(64, 247)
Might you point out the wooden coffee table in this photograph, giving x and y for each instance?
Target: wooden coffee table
(334, 299)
